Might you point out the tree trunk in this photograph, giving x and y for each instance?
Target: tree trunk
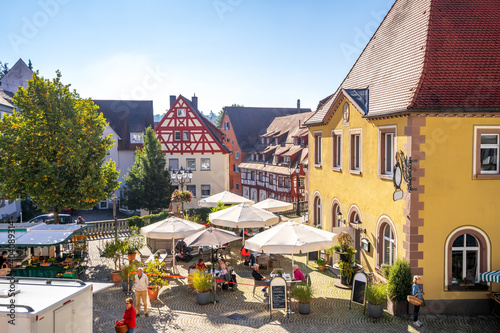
(56, 216)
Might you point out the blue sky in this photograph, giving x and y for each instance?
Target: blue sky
(250, 52)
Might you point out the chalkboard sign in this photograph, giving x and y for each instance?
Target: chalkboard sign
(312, 256)
(278, 295)
(359, 288)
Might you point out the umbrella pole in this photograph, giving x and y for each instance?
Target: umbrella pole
(292, 263)
(173, 253)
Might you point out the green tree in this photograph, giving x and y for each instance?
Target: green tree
(53, 150)
(4, 68)
(148, 185)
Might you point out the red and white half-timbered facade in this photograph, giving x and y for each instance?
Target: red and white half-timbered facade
(192, 142)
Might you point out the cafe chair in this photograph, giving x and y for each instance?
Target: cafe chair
(263, 261)
(258, 284)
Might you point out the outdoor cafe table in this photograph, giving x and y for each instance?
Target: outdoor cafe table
(289, 282)
(161, 257)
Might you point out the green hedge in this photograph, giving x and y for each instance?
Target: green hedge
(142, 221)
(201, 212)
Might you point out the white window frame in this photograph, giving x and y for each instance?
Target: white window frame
(209, 190)
(384, 170)
(237, 155)
(190, 160)
(464, 250)
(318, 151)
(175, 136)
(181, 112)
(337, 150)
(136, 137)
(185, 135)
(191, 185)
(490, 146)
(202, 168)
(391, 243)
(352, 151)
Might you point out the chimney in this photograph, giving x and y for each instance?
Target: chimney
(172, 100)
(298, 105)
(194, 101)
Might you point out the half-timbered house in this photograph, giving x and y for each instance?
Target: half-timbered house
(192, 143)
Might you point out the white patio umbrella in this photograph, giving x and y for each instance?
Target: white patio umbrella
(226, 198)
(273, 205)
(291, 238)
(243, 216)
(171, 228)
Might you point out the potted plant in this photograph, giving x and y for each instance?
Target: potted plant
(399, 286)
(156, 281)
(376, 295)
(303, 293)
(279, 272)
(329, 254)
(135, 242)
(346, 272)
(321, 263)
(114, 250)
(202, 283)
(127, 275)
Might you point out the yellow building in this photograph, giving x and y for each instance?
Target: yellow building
(428, 85)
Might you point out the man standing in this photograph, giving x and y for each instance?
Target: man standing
(141, 283)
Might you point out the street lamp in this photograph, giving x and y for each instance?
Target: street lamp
(297, 171)
(181, 177)
(114, 215)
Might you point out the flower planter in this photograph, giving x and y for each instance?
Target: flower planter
(131, 257)
(304, 308)
(203, 298)
(127, 285)
(343, 280)
(399, 309)
(321, 267)
(375, 310)
(116, 276)
(153, 293)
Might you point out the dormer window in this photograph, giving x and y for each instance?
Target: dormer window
(268, 140)
(263, 157)
(136, 137)
(253, 157)
(263, 140)
(276, 141)
(295, 141)
(303, 142)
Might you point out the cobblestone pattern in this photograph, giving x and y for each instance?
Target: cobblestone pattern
(176, 308)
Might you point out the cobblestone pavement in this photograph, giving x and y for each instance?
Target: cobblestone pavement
(176, 309)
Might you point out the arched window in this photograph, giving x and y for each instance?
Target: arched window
(335, 214)
(317, 211)
(468, 252)
(465, 259)
(389, 246)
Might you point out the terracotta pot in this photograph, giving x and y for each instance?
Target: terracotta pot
(321, 267)
(153, 294)
(116, 276)
(131, 257)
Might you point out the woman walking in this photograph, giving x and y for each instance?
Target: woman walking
(129, 315)
(417, 292)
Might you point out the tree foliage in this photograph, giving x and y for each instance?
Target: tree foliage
(53, 150)
(400, 281)
(4, 68)
(148, 185)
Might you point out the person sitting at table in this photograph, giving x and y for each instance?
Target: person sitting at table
(201, 265)
(258, 277)
(181, 247)
(245, 253)
(297, 274)
(244, 231)
(3, 260)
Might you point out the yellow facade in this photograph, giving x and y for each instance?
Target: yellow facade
(448, 195)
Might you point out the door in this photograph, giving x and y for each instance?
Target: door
(63, 318)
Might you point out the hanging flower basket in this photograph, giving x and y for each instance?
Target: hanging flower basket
(182, 196)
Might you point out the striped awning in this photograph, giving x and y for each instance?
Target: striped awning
(492, 276)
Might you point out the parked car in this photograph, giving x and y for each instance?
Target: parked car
(49, 219)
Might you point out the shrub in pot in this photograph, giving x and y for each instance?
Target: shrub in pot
(135, 242)
(156, 281)
(346, 272)
(376, 296)
(303, 293)
(201, 283)
(114, 250)
(127, 275)
(399, 286)
(321, 263)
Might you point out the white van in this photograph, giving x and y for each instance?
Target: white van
(45, 305)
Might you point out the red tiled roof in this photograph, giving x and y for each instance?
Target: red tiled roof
(462, 65)
(428, 54)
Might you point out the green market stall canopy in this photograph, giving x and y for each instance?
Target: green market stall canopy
(37, 234)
